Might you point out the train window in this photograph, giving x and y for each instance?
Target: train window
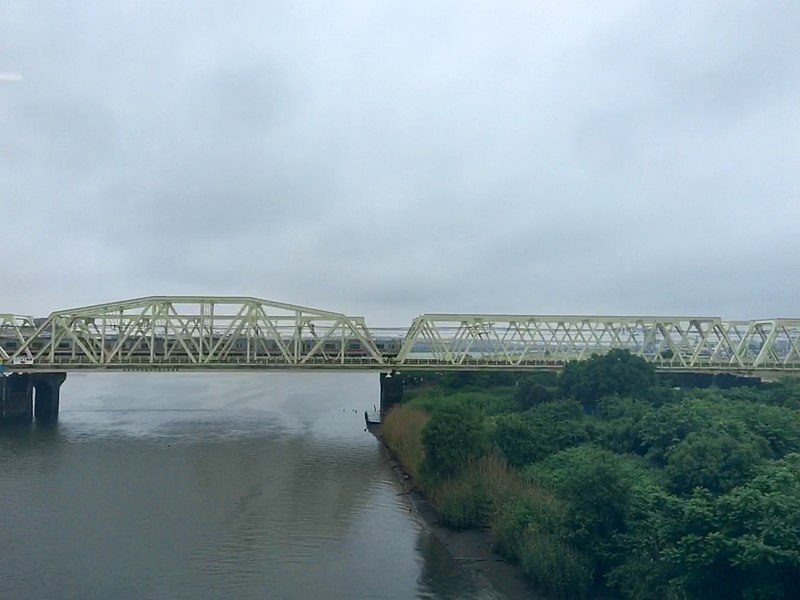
(10, 344)
(330, 346)
(63, 344)
(354, 346)
(379, 345)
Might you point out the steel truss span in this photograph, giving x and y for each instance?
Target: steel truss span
(184, 332)
(191, 332)
(671, 343)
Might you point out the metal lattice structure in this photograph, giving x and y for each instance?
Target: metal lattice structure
(189, 331)
(13, 328)
(671, 343)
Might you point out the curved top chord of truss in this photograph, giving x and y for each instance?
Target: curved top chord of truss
(147, 301)
(197, 330)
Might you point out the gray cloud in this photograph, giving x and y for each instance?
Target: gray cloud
(389, 160)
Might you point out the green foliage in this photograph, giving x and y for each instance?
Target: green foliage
(744, 544)
(530, 394)
(619, 423)
(618, 372)
(785, 393)
(713, 459)
(777, 427)
(596, 489)
(535, 434)
(485, 402)
(664, 428)
(472, 499)
(658, 493)
(401, 430)
(554, 566)
(532, 508)
(454, 436)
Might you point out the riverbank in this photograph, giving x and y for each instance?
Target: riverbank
(472, 548)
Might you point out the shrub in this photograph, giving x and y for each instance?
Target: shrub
(554, 566)
(535, 434)
(743, 544)
(532, 508)
(619, 425)
(596, 489)
(486, 403)
(530, 394)
(618, 372)
(454, 436)
(715, 460)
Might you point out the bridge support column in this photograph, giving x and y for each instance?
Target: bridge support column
(16, 398)
(391, 391)
(48, 392)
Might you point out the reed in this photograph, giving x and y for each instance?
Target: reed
(472, 498)
(401, 430)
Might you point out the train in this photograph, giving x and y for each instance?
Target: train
(233, 347)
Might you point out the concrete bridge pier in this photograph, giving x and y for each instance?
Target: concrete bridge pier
(16, 399)
(47, 392)
(391, 390)
(17, 393)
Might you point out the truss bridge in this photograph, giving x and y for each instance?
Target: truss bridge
(194, 332)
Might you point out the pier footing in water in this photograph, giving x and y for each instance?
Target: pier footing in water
(391, 390)
(25, 395)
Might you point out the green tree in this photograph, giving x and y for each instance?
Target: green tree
(715, 460)
(530, 394)
(618, 372)
(744, 544)
(526, 437)
(454, 436)
(597, 490)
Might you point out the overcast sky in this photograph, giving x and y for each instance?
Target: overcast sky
(393, 158)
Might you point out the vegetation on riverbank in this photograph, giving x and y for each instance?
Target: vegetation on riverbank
(608, 479)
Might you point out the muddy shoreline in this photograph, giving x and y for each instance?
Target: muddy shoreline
(471, 548)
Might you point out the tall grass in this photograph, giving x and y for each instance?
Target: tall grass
(554, 566)
(401, 430)
(486, 402)
(472, 498)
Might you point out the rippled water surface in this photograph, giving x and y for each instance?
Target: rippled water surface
(213, 486)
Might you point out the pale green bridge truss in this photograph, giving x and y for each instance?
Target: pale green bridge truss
(193, 332)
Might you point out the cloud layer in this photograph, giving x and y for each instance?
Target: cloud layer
(392, 159)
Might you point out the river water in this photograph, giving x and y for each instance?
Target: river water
(200, 485)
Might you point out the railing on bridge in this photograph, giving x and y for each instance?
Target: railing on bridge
(203, 332)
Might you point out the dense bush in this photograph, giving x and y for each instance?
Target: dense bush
(657, 493)
(554, 566)
(535, 434)
(617, 373)
(454, 436)
(596, 490)
(486, 403)
(743, 544)
(712, 459)
(530, 394)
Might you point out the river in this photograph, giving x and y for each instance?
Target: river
(206, 485)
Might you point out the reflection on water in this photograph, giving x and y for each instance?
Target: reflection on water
(208, 486)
